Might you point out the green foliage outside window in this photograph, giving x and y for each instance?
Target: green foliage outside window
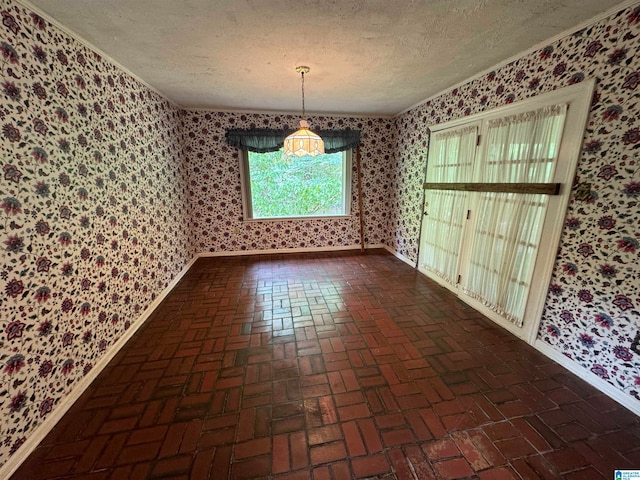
(283, 186)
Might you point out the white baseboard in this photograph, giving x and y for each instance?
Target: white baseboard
(589, 377)
(289, 250)
(400, 256)
(34, 439)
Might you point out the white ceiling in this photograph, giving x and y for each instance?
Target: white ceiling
(369, 57)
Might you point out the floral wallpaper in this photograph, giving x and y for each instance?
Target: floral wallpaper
(93, 213)
(107, 191)
(216, 196)
(592, 312)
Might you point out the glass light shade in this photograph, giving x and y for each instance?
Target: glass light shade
(303, 142)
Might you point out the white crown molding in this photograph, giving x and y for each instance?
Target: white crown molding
(87, 44)
(283, 112)
(587, 23)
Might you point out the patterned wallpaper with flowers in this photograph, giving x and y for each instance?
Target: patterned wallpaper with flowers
(216, 197)
(107, 191)
(93, 213)
(592, 312)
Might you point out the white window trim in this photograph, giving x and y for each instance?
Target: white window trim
(245, 185)
(578, 99)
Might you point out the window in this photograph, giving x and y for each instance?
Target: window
(279, 186)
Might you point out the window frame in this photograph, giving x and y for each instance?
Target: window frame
(247, 198)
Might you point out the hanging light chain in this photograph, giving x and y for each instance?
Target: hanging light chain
(303, 110)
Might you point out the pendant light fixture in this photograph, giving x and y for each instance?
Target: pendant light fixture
(303, 141)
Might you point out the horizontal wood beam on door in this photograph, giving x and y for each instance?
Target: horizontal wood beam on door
(538, 188)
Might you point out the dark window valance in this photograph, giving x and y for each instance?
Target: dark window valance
(339, 140)
(262, 140)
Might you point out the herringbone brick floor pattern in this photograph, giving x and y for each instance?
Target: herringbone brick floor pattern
(331, 366)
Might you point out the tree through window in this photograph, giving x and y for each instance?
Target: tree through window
(280, 186)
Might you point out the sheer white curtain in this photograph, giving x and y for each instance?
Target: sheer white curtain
(507, 226)
(451, 157)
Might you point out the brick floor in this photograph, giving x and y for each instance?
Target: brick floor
(331, 366)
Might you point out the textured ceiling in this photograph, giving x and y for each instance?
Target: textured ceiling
(370, 57)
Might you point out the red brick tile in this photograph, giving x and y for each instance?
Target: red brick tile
(388, 400)
(252, 448)
(340, 470)
(572, 432)
(401, 465)
(281, 457)
(352, 412)
(471, 453)
(420, 429)
(501, 430)
(110, 455)
(138, 453)
(402, 436)
(125, 471)
(390, 420)
(302, 475)
(524, 426)
(369, 466)
(374, 401)
(91, 453)
(326, 434)
(350, 381)
(588, 473)
(251, 468)
(172, 467)
(459, 421)
(486, 447)
(370, 435)
(389, 375)
(285, 425)
(440, 449)
(433, 422)
(327, 409)
(146, 435)
(191, 436)
(202, 463)
(418, 462)
(299, 450)
(224, 436)
(349, 398)
(448, 408)
(515, 447)
(222, 462)
(120, 425)
(602, 458)
(500, 473)
(246, 424)
(328, 452)
(566, 459)
(322, 473)
(534, 468)
(454, 468)
(353, 439)
(45, 470)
